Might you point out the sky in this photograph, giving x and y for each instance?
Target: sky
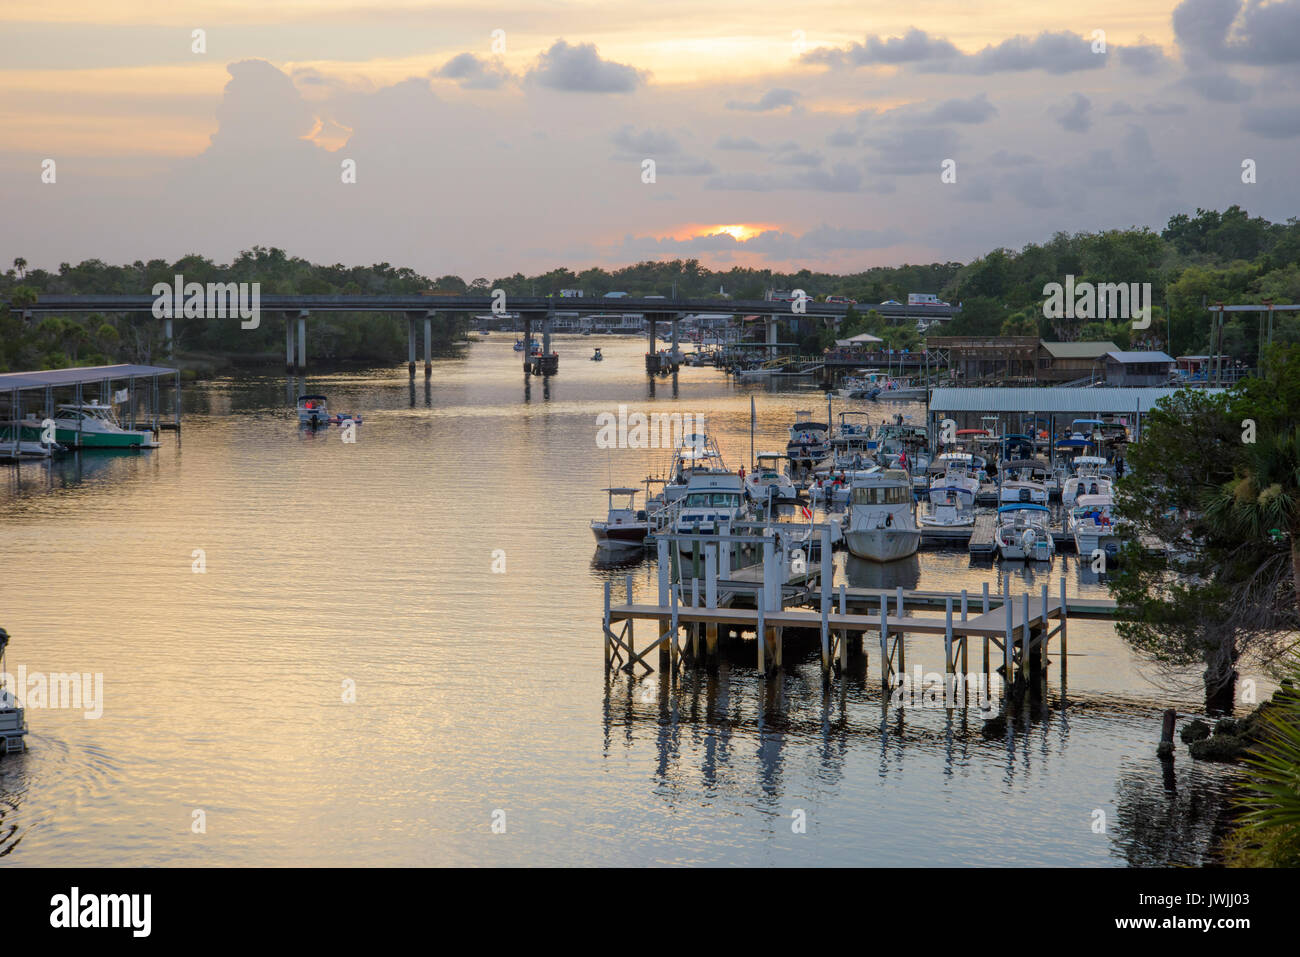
(485, 139)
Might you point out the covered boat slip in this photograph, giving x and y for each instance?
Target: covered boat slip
(138, 391)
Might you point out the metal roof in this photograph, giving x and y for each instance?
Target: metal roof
(1050, 400)
(80, 374)
(1078, 350)
(1127, 357)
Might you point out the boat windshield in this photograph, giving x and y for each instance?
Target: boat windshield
(713, 500)
(881, 495)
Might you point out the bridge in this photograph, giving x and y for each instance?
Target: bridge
(531, 309)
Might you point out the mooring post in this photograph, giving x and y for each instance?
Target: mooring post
(1042, 647)
(760, 633)
(965, 637)
(1024, 639)
(665, 587)
(609, 654)
(985, 611)
(1007, 673)
(630, 647)
(885, 660)
(1064, 619)
(288, 342)
(410, 343)
(844, 631)
(676, 651)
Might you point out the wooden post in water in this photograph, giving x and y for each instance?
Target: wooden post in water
(630, 647)
(964, 637)
(759, 633)
(986, 637)
(665, 586)
(1042, 646)
(885, 660)
(609, 648)
(676, 651)
(827, 569)
(1024, 639)
(712, 556)
(844, 632)
(947, 636)
(1007, 673)
(1064, 617)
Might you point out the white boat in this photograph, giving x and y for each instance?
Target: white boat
(13, 722)
(712, 501)
(767, 482)
(1023, 533)
(947, 512)
(891, 388)
(90, 425)
(13, 449)
(956, 474)
(596, 356)
(880, 526)
(809, 441)
(696, 455)
(625, 524)
(1023, 480)
(1093, 525)
(1087, 479)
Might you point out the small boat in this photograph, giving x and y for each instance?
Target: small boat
(519, 345)
(313, 411)
(624, 524)
(14, 449)
(1093, 525)
(767, 482)
(713, 500)
(90, 425)
(880, 526)
(1087, 479)
(1023, 533)
(956, 474)
(597, 357)
(809, 441)
(13, 722)
(1024, 480)
(947, 512)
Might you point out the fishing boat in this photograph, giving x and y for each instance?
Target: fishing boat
(1023, 532)
(901, 389)
(624, 525)
(1086, 478)
(880, 526)
(89, 425)
(712, 501)
(1093, 525)
(13, 721)
(809, 441)
(956, 475)
(596, 356)
(519, 345)
(1023, 480)
(767, 482)
(313, 411)
(946, 511)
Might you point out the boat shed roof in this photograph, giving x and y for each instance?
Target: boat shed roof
(1131, 357)
(1049, 399)
(80, 374)
(1078, 350)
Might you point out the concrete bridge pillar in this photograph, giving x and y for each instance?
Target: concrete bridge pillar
(428, 344)
(290, 364)
(302, 341)
(167, 338)
(410, 341)
(769, 326)
(546, 333)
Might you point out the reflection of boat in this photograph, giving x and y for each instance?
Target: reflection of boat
(904, 573)
(624, 524)
(1023, 532)
(880, 525)
(89, 425)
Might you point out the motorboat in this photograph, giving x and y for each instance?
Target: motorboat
(902, 389)
(696, 455)
(625, 524)
(767, 482)
(1092, 524)
(596, 356)
(880, 526)
(88, 425)
(1023, 480)
(712, 501)
(809, 441)
(858, 387)
(18, 448)
(1086, 479)
(946, 511)
(1023, 532)
(313, 411)
(956, 474)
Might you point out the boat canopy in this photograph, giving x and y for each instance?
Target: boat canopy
(1022, 507)
(1088, 460)
(318, 398)
(1089, 502)
(1026, 464)
(1074, 443)
(623, 491)
(1087, 422)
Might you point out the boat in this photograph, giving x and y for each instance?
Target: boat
(519, 345)
(18, 448)
(313, 411)
(767, 482)
(88, 425)
(625, 524)
(13, 721)
(858, 387)
(891, 388)
(597, 357)
(946, 511)
(956, 475)
(1093, 525)
(712, 501)
(1023, 532)
(880, 526)
(697, 454)
(809, 441)
(1086, 478)
(1023, 480)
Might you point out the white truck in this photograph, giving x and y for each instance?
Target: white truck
(924, 299)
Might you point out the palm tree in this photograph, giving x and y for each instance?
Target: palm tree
(1263, 500)
(21, 265)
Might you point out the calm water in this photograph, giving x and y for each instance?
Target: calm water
(369, 565)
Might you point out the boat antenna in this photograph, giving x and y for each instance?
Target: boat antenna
(753, 418)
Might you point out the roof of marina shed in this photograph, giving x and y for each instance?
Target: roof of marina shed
(1049, 400)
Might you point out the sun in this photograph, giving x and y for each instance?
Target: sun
(737, 231)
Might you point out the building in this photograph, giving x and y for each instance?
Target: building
(1072, 361)
(1138, 369)
(975, 358)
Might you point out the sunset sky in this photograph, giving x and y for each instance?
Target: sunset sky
(783, 135)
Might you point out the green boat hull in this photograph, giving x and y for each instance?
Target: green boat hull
(92, 440)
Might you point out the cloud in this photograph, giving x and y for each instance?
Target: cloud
(474, 73)
(771, 100)
(843, 138)
(840, 178)
(912, 151)
(645, 143)
(1219, 87)
(1004, 159)
(579, 68)
(797, 157)
(1233, 31)
(1075, 116)
(913, 47)
(726, 142)
(975, 110)
(1143, 58)
(1273, 122)
(1120, 108)
(1052, 52)
(1164, 109)
(772, 244)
